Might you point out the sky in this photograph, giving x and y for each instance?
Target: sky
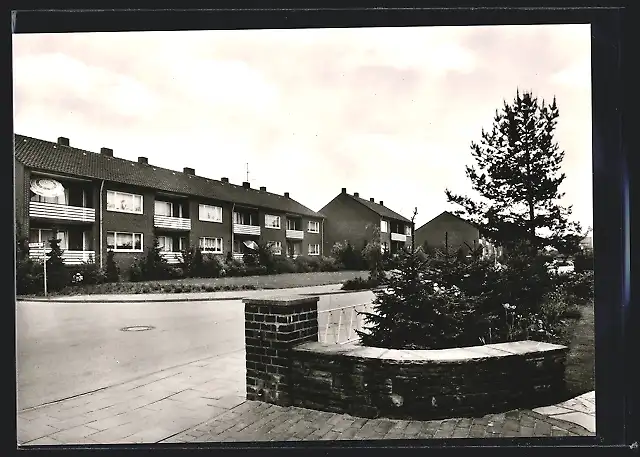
(386, 112)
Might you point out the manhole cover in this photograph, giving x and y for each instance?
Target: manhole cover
(137, 328)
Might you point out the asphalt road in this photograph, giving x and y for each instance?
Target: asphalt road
(67, 349)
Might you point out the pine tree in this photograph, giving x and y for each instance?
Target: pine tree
(154, 265)
(57, 274)
(111, 271)
(416, 311)
(517, 175)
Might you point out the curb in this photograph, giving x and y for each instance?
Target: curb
(169, 299)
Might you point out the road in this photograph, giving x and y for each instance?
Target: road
(67, 349)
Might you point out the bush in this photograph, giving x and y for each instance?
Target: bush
(583, 262)
(135, 271)
(29, 277)
(212, 266)
(283, 264)
(235, 267)
(307, 264)
(87, 274)
(329, 264)
(359, 284)
(111, 270)
(578, 286)
(349, 257)
(58, 275)
(153, 266)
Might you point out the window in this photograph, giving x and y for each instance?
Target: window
(124, 241)
(384, 246)
(407, 230)
(384, 226)
(163, 208)
(314, 249)
(245, 218)
(276, 247)
(44, 235)
(293, 224)
(124, 202)
(294, 248)
(271, 221)
(165, 243)
(314, 227)
(210, 213)
(211, 245)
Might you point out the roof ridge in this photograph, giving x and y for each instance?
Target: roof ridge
(364, 202)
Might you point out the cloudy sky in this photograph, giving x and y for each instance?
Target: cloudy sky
(386, 112)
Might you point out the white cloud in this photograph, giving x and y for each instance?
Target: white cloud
(577, 75)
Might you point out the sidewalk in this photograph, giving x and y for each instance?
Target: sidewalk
(204, 401)
(192, 296)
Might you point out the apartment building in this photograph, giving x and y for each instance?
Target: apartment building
(352, 218)
(448, 230)
(97, 202)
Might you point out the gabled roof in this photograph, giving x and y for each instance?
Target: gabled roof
(450, 214)
(52, 157)
(381, 210)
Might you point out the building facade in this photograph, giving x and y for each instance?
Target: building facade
(108, 203)
(350, 218)
(448, 231)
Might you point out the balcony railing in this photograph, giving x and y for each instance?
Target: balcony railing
(171, 257)
(398, 237)
(68, 257)
(295, 234)
(243, 229)
(173, 223)
(63, 212)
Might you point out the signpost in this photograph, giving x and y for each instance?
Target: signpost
(44, 261)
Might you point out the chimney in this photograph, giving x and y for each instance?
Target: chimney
(371, 200)
(264, 189)
(286, 195)
(62, 141)
(106, 152)
(188, 171)
(356, 194)
(143, 160)
(344, 190)
(381, 203)
(225, 180)
(246, 185)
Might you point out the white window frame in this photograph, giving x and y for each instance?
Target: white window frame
(202, 207)
(316, 224)
(64, 245)
(215, 250)
(115, 193)
(133, 236)
(317, 250)
(384, 246)
(155, 208)
(276, 247)
(275, 217)
(384, 226)
(407, 230)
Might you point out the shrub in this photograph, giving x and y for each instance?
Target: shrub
(135, 271)
(583, 262)
(235, 267)
(359, 284)
(211, 267)
(153, 265)
(87, 274)
(29, 277)
(58, 276)
(111, 270)
(329, 264)
(283, 264)
(307, 264)
(578, 286)
(349, 257)
(175, 272)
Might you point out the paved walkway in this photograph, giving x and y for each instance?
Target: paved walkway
(204, 401)
(194, 296)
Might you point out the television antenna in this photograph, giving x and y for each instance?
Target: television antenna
(247, 172)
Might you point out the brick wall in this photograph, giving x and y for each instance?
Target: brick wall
(286, 365)
(273, 326)
(210, 229)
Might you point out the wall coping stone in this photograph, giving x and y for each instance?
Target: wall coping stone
(282, 301)
(453, 355)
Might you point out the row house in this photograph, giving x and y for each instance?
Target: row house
(449, 231)
(352, 218)
(95, 202)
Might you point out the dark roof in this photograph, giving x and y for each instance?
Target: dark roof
(51, 157)
(379, 209)
(450, 214)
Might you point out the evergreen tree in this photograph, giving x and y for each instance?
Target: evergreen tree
(374, 257)
(417, 311)
(111, 271)
(58, 276)
(517, 175)
(154, 266)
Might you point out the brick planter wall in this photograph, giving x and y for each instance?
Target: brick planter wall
(273, 326)
(427, 385)
(286, 365)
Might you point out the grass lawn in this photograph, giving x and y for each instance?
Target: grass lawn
(580, 375)
(279, 281)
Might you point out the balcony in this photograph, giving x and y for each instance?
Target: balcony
(398, 237)
(242, 229)
(68, 257)
(171, 223)
(62, 212)
(172, 258)
(295, 234)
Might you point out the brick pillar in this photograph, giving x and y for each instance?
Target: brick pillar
(272, 327)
